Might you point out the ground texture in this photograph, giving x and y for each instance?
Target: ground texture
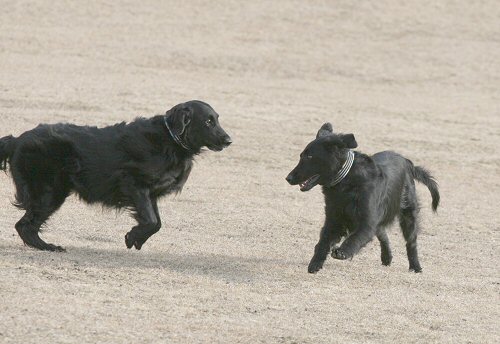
(230, 264)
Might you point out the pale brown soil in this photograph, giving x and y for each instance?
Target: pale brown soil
(229, 265)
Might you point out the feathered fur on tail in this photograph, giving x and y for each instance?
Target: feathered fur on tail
(424, 177)
(6, 149)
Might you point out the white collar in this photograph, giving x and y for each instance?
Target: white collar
(344, 170)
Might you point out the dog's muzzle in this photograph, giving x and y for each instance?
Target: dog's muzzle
(224, 143)
(306, 184)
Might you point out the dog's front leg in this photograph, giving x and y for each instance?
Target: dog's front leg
(328, 237)
(362, 235)
(145, 211)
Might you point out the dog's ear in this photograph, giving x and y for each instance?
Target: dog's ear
(326, 129)
(331, 141)
(349, 140)
(181, 117)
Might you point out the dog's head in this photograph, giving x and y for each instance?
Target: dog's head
(322, 159)
(197, 125)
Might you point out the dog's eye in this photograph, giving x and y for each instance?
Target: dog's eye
(309, 157)
(209, 122)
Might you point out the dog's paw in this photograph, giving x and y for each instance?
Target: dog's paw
(129, 240)
(138, 244)
(52, 248)
(55, 248)
(314, 266)
(338, 253)
(132, 240)
(386, 260)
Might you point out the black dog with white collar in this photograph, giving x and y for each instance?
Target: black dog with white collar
(123, 166)
(363, 195)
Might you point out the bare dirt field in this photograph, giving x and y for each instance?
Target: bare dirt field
(230, 263)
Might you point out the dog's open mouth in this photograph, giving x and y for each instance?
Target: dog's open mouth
(309, 183)
(215, 148)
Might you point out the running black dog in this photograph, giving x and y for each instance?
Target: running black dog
(363, 195)
(122, 166)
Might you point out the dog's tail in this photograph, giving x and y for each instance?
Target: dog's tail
(424, 177)
(6, 150)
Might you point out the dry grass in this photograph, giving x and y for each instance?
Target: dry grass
(230, 264)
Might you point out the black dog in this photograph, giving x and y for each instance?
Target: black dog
(122, 166)
(363, 195)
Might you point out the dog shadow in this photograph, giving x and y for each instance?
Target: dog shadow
(234, 269)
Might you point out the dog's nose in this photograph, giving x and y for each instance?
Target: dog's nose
(227, 141)
(289, 178)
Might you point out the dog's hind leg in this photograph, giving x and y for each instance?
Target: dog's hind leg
(408, 220)
(386, 254)
(37, 213)
(146, 213)
(41, 173)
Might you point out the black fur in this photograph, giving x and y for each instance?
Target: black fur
(376, 190)
(124, 166)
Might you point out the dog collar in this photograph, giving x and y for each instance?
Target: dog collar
(344, 170)
(176, 137)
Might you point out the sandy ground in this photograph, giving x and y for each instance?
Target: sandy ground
(230, 264)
